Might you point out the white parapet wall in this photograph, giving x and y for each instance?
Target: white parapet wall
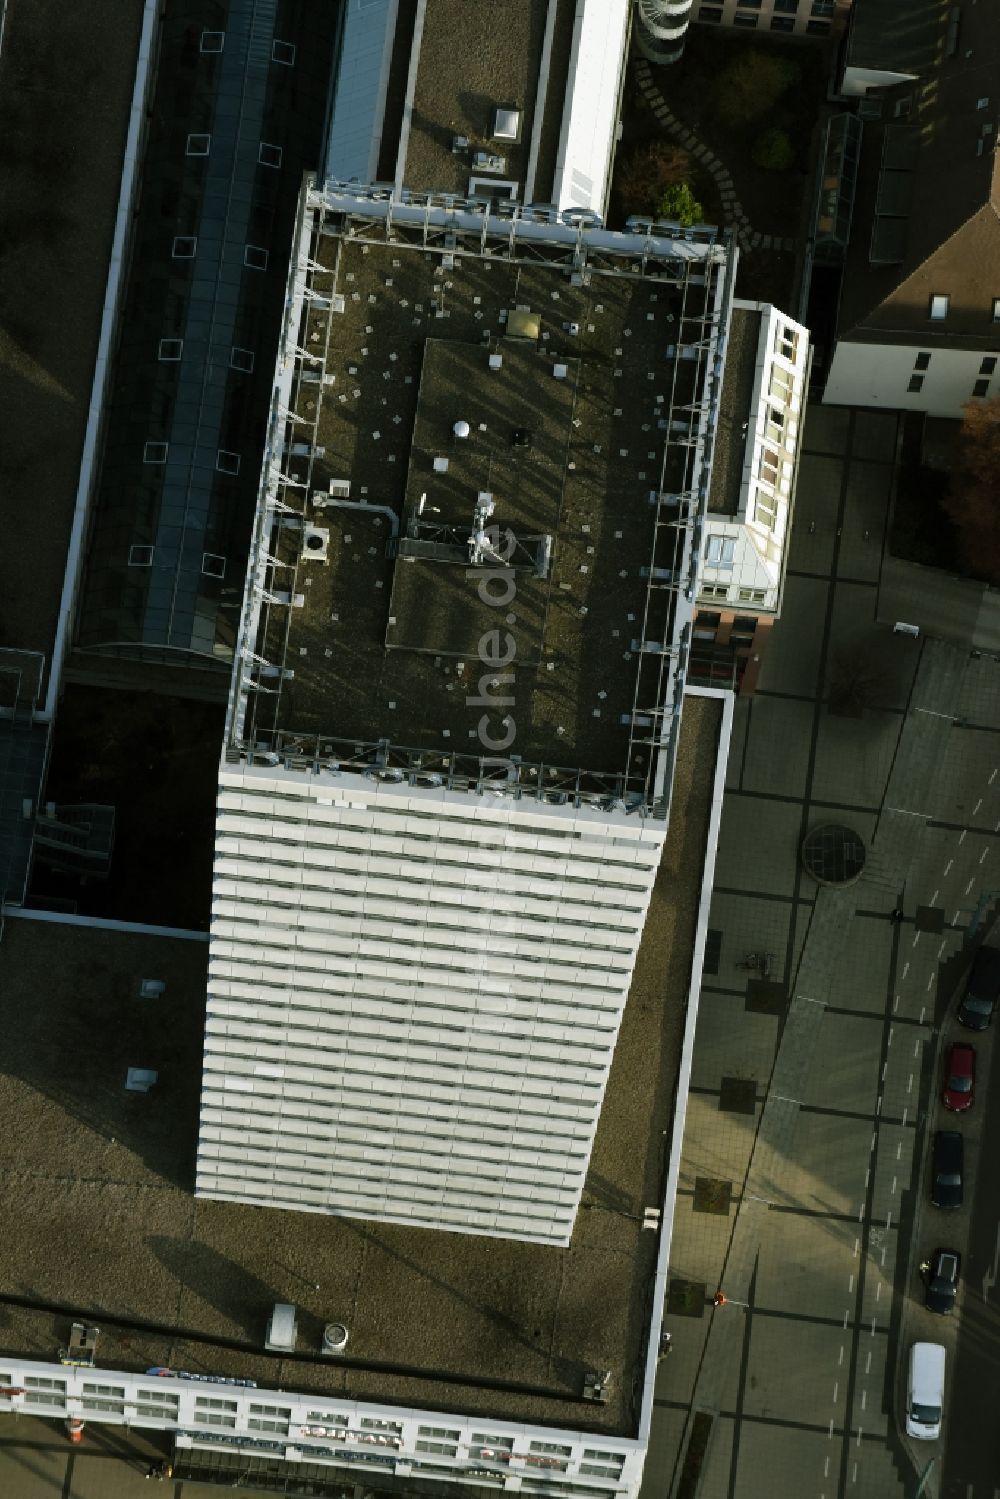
(414, 998)
(365, 1441)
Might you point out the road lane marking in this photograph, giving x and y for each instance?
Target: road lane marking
(930, 982)
(868, 1362)
(916, 938)
(840, 1360)
(977, 806)
(906, 969)
(969, 886)
(947, 868)
(895, 1004)
(923, 1012)
(982, 856)
(916, 1046)
(893, 1185)
(990, 1276)
(836, 1390)
(864, 1400)
(962, 835)
(909, 1083)
(990, 783)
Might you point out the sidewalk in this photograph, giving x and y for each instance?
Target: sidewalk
(810, 1096)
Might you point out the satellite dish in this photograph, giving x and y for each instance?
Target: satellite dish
(461, 428)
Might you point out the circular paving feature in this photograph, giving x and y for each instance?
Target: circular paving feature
(834, 855)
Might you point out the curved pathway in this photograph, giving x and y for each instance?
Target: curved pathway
(732, 209)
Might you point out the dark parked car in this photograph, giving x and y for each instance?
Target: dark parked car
(943, 1274)
(981, 990)
(959, 1090)
(946, 1169)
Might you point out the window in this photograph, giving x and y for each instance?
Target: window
(996, 309)
(269, 156)
(983, 103)
(988, 366)
(720, 551)
(154, 452)
(438, 1431)
(484, 1445)
(749, 596)
(748, 4)
(184, 247)
(227, 463)
(140, 556)
(980, 388)
(742, 18)
(938, 310)
(767, 471)
(445, 1449)
(170, 349)
(903, 107)
(213, 41)
(255, 257)
(765, 509)
(781, 383)
(786, 7)
(817, 28)
(746, 623)
(821, 8)
(922, 362)
(283, 52)
(916, 385)
(241, 359)
(778, 23)
(213, 566)
(709, 13)
(788, 343)
(198, 145)
(708, 618)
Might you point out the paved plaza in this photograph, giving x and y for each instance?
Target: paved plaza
(802, 1177)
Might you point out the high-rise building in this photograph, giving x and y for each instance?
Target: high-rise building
(452, 729)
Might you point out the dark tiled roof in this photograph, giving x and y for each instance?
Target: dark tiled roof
(928, 190)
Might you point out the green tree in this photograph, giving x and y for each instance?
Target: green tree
(773, 150)
(750, 85)
(680, 205)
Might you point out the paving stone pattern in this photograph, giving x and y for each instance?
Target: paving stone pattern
(748, 237)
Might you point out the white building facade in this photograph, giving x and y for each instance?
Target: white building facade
(902, 376)
(375, 1445)
(743, 563)
(414, 996)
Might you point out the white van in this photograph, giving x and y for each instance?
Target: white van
(925, 1391)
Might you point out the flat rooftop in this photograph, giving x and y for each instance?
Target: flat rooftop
(470, 60)
(100, 1218)
(81, 61)
(576, 407)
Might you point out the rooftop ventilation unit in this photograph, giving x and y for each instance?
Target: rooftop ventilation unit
(281, 1329)
(461, 428)
(334, 1339)
(506, 123)
(315, 543)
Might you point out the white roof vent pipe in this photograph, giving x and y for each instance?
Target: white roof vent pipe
(461, 428)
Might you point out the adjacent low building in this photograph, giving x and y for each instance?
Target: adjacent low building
(751, 501)
(918, 326)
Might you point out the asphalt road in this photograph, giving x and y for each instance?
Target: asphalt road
(972, 1455)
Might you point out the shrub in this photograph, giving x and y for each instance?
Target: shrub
(773, 150)
(751, 84)
(680, 205)
(647, 172)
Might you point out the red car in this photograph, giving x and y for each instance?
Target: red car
(959, 1077)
